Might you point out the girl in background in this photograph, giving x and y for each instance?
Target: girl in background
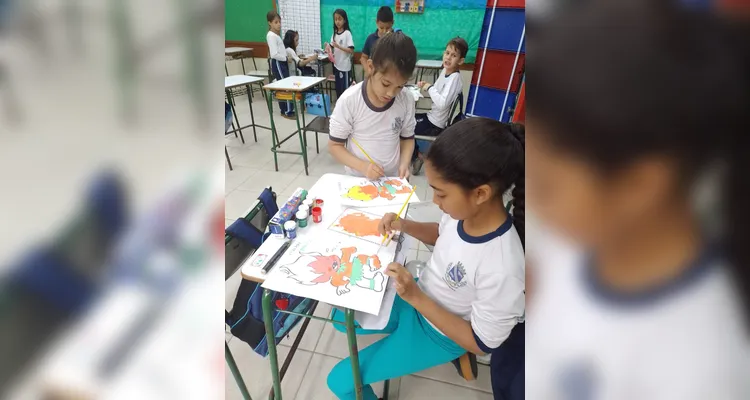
(470, 296)
(291, 41)
(342, 44)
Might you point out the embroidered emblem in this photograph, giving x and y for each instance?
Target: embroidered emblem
(398, 124)
(455, 275)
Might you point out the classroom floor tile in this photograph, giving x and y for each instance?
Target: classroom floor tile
(417, 388)
(322, 346)
(256, 372)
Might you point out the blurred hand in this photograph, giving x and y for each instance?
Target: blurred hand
(388, 224)
(406, 287)
(373, 171)
(403, 171)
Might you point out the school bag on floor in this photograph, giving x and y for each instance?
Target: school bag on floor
(245, 319)
(318, 103)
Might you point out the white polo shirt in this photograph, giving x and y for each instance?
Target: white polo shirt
(379, 130)
(681, 341)
(276, 49)
(443, 93)
(480, 279)
(342, 59)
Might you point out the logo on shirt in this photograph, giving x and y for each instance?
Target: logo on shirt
(455, 275)
(398, 123)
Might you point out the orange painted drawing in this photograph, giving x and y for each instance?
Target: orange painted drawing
(387, 189)
(360, 224)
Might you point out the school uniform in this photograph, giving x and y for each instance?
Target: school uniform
(379, 130)
(371, 40)
(279, 67)
(305, 70)
(683, 340)
(480, 279)
(443, 93)
(342, 66)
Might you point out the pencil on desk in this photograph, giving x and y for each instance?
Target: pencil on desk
(363, 151)
(399, 214)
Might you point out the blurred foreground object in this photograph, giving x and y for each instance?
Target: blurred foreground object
(637, 162)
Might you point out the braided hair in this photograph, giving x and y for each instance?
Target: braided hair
(482, 151)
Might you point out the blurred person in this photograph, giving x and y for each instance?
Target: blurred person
(291, 41)
(278, 58)
(633, 298)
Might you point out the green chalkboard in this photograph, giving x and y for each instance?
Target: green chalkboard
(245, 20)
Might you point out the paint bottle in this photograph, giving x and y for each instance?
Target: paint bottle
(291, 229)
(318, 202)
(317, 214)
(304, 208)
(302, 218)
(308, 203)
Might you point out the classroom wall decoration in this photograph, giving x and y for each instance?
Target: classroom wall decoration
(302, 16)
(409, 6)
(342, 271)
(440, 21)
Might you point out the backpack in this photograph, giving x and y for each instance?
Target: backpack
(245, 319)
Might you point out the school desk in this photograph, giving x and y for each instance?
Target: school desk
(234, 81)
(434, 65)
(290, 89)
(239, 53)
(325, 188)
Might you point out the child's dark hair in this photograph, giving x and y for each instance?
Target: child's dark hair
(479, 151)
(667, 82)
(460, 45)
(272, 15)
(343, 15)
(397, 50)
(385, 14)
(289, 37)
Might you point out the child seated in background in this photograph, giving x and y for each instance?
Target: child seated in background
(443, 93)
(291, 41)
(378, 114)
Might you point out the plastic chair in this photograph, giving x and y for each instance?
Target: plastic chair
(227, 124)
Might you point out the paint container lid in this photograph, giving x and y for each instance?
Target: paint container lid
(305, 208)
(290, 225)
(301, 214)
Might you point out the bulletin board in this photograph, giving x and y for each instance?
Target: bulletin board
(302, 16)
(245, 20)
(431, 30)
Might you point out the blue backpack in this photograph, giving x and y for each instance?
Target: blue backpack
(245, 320)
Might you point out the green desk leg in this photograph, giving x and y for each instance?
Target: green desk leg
(236, 373)
(274, 137)
(353, 353)
(301, 134)
(270, 338)
(252, 115)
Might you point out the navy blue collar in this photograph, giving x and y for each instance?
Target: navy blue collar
(697, 270)
(369, 104)
(505, 227)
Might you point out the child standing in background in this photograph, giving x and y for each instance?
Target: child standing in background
(443, 93)
(384, 22)
(470, 296)
(278, 58)
(343, 48)
(378, 113)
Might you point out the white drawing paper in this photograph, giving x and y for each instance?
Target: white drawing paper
(336, 269)
(361, 192)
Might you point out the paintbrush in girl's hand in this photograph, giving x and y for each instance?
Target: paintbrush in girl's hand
(390, 237)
